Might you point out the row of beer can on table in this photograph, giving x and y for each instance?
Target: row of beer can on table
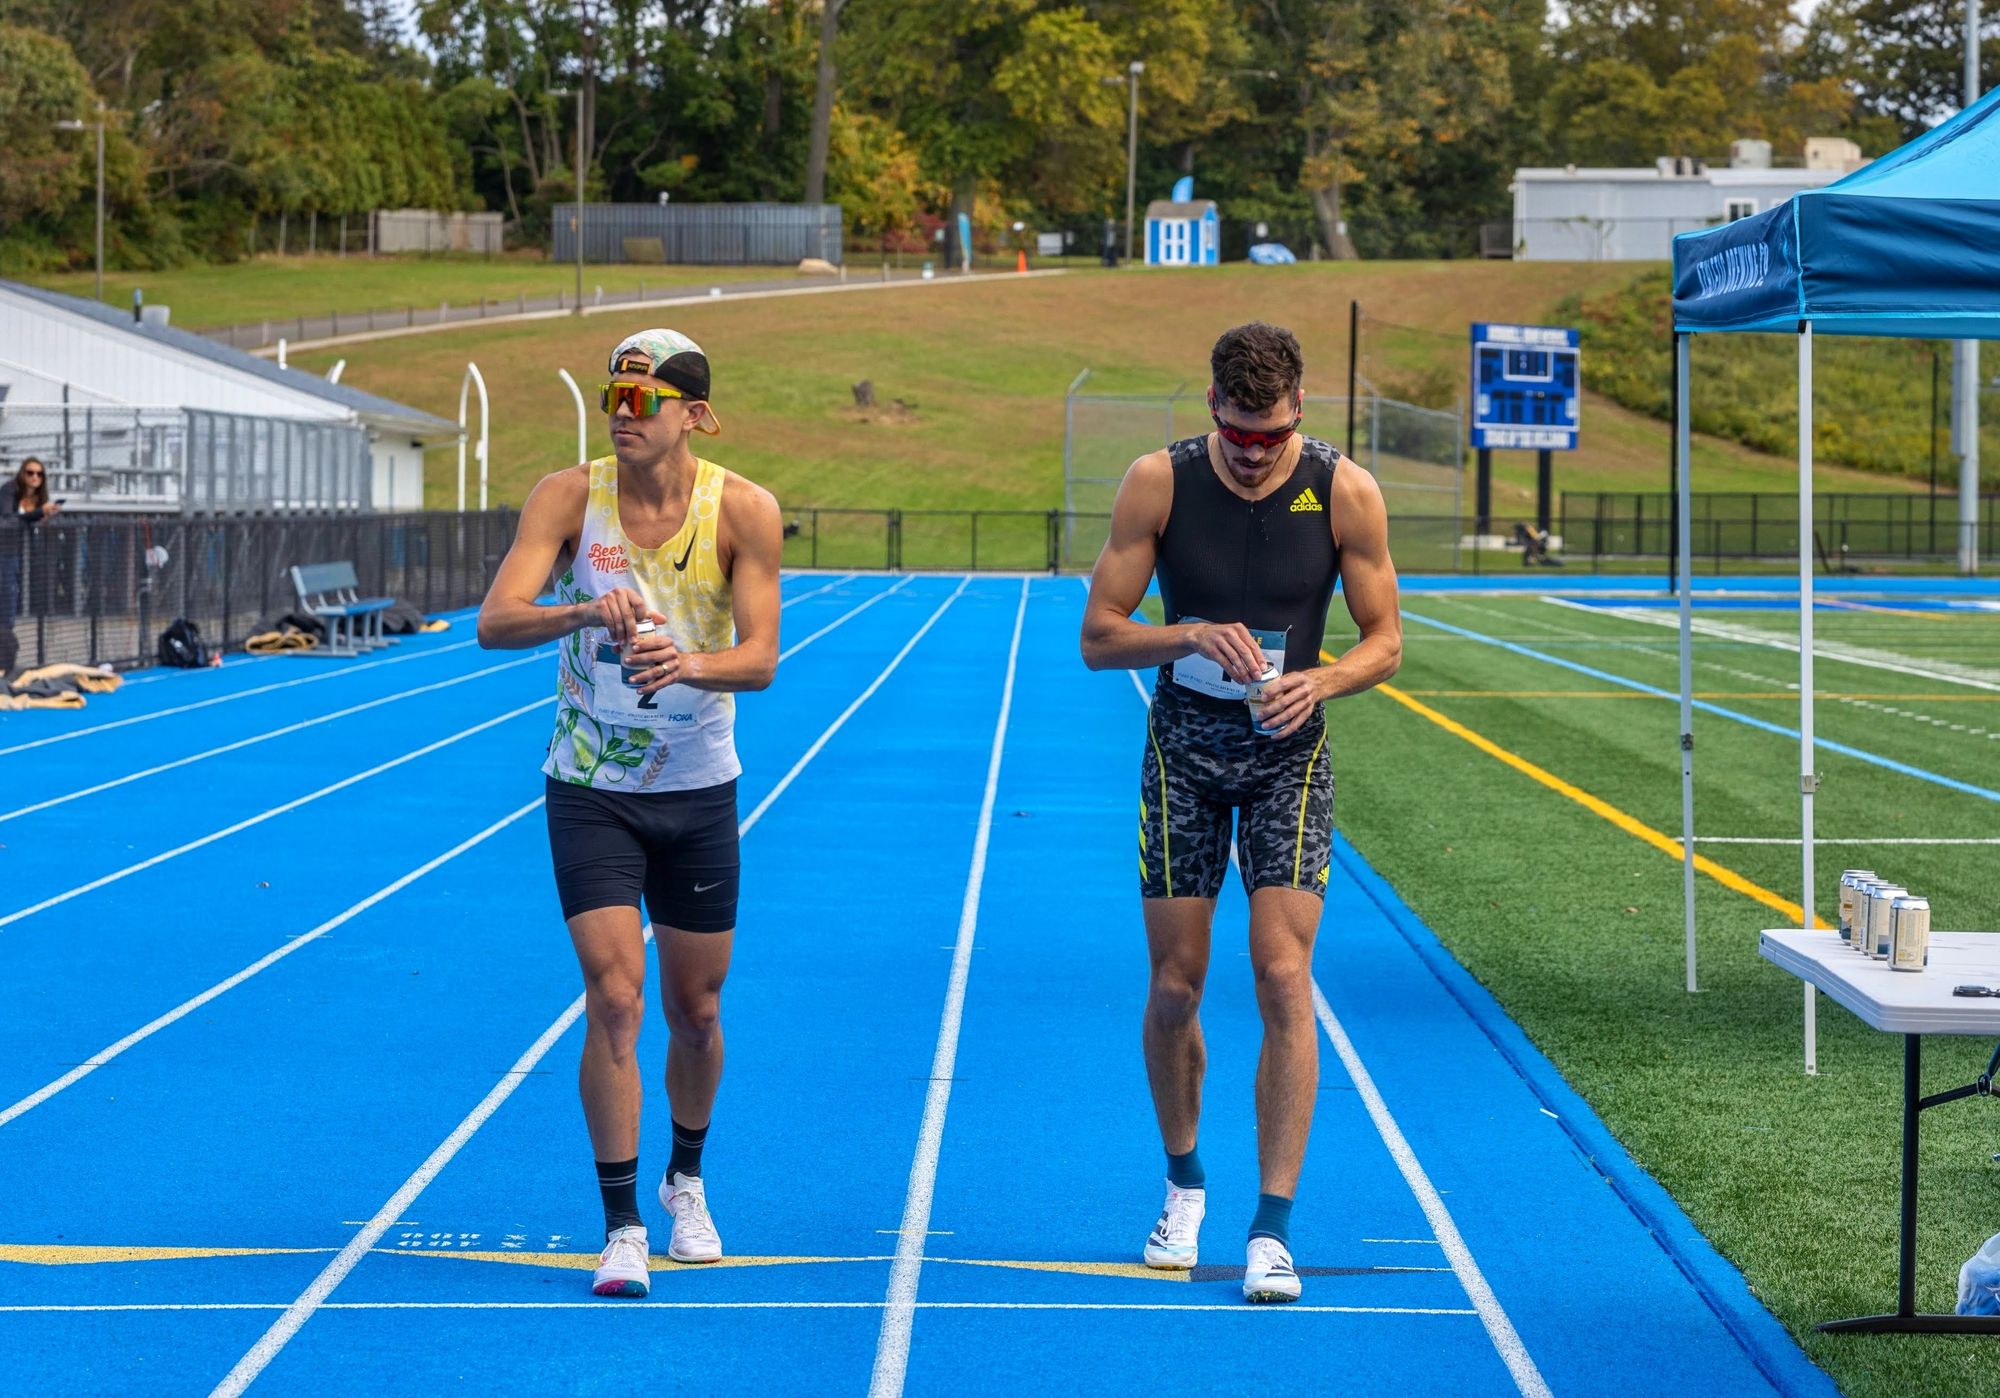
(1884, 920)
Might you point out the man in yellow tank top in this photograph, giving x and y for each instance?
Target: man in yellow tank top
(666, 606)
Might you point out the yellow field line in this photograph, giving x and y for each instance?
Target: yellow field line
(1597, 806)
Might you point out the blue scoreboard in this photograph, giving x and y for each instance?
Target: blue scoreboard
(1524, 387)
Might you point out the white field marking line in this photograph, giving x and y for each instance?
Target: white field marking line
(1499, 1328)
(843, 619)
(274, 1339)
(186, 1007)
(1769, 681)
(815, 592)
(263, 816)
(662, 1306)
(251, 741)
(238, 694)
(892, 1346)
(1970, 676)
(1831, 840)
(849, 711)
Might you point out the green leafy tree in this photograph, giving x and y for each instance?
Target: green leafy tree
(42, 170)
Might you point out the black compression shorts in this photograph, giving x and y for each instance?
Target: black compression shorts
(1203, 764)
(677, 849)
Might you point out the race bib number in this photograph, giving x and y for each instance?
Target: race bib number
(1204, 676)
(616, 697)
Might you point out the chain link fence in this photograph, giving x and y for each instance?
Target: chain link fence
(1417, 456)
(99, 591)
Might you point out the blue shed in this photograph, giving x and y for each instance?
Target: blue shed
(1182, 234)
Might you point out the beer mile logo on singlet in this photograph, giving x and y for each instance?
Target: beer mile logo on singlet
(1307, 503)
(608, 559)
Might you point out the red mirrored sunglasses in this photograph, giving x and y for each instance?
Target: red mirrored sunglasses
(1245, 437)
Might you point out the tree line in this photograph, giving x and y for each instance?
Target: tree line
(1365, 127)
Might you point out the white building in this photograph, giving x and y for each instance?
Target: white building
(137, 415)
(1587, 214)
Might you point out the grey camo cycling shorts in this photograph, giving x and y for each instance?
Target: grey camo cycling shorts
(1204, 764)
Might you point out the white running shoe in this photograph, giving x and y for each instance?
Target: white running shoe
(694, 1238)
(1172, 1247)
(621, 1269)
(1269, 1274)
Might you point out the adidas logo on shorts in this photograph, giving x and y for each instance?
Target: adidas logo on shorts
(1307, 503)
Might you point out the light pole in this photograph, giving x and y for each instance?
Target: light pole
(562, 92)
(75, 125)
(1131, 81)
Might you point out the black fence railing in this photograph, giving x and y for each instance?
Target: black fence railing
(98, 591)
(1861, 527)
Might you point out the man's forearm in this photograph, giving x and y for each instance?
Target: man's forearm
(1366, 664)
(1125, 644)
(525, 625)
(731, 671)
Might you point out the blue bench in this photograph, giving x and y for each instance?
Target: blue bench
(332, 592)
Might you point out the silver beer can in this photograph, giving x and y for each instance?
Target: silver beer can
(1850, 880)
(1877, 935)
(1910, 942)
(1864, 885)
(1253, 695)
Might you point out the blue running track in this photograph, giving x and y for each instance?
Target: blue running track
(287, 1068)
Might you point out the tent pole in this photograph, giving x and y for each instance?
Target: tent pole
(1684, 549)
(1808, 782)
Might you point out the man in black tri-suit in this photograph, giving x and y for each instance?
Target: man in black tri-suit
(1248, 528)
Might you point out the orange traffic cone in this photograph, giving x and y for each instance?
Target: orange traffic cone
(1020, 259)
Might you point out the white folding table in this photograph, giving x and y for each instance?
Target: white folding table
(1911, 1004)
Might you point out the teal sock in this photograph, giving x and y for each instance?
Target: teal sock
(1184, 1171)
(1273, 1220)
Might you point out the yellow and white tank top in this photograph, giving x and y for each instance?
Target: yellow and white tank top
(608, 735)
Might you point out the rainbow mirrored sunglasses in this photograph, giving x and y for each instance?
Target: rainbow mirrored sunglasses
(643, 399)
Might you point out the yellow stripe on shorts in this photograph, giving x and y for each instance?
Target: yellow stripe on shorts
(1305, 792)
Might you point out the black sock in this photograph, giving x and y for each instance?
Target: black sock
(687, 1151)
(618, 1182)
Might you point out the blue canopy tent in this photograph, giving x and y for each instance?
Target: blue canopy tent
(1907, 246)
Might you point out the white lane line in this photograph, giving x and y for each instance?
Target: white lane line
(187, 1007)
(253, 740)
(315, 1295)
(657, 1307)
(287, 1325)
(1527, 1378)
(104, 1056)
(816, 591)
(1506, 1340)
(844, 618)
(341, 673)
(1793, 840)
(263, 816)
(892, 1346)
(1971, 676)
(850, 710)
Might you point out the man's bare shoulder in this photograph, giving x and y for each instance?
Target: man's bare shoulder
(746, 499)
(1354, 487)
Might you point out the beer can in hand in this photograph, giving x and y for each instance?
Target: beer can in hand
(1253, 695)
(1910, 929)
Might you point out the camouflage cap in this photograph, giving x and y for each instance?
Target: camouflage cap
(672, 358)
